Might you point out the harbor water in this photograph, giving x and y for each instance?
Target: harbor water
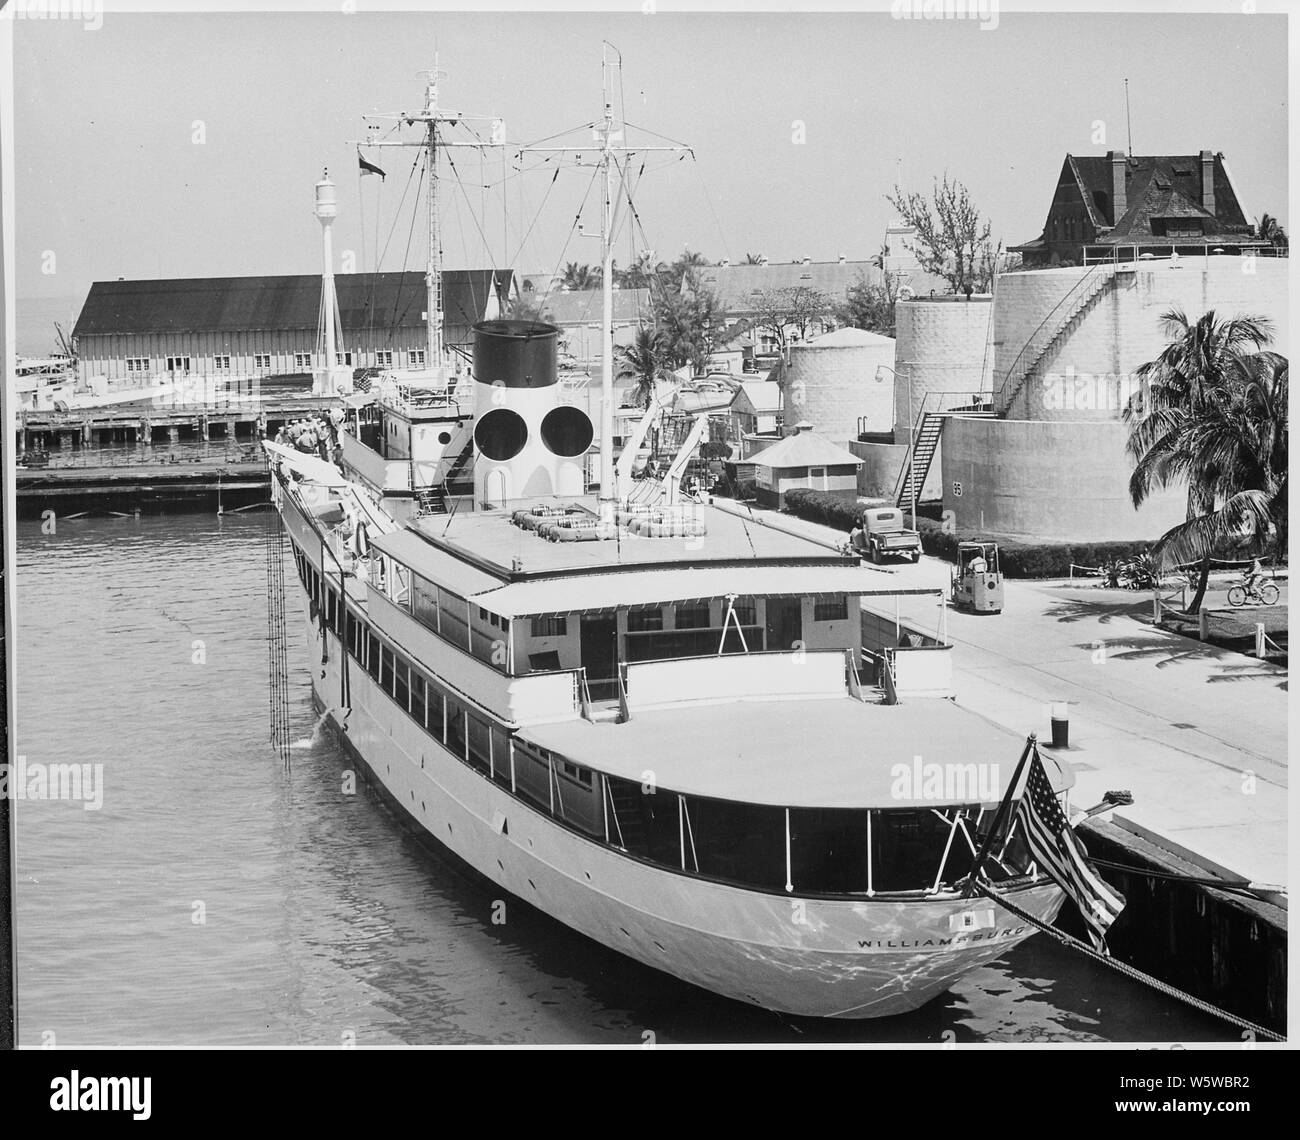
(216, 898)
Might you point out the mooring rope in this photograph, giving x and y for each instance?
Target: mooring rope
(276, 639)
(1129, 971)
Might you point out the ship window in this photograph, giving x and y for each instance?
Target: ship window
(386, 670)
(137, 364)
(354, 637)
(302, 359)
(694, 615)
(417, 357)
(547, 662)
(343, 358)
(744, 611)
(384, 357)
(906, 846)
(551, 625)
(741, 843)
(831, 609)
(641, 621)
(402, 684)
(262, 360)
(828, 851)
(647, 822)
(434, 723)
(372, 655)
(221, 363)
(500, 755)
(478, 741)
(417, 698)
(456, 739)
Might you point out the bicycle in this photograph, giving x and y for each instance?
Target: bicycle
(1266, 594)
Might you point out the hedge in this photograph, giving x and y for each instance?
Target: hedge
(1019, 559)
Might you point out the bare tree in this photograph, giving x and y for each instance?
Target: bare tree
(785, 312)
(952, 239)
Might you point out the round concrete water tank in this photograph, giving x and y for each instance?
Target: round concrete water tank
(516, 354)
(942, 345)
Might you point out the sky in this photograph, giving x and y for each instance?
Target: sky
(188, 144)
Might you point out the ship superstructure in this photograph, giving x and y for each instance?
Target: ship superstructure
(668, 726)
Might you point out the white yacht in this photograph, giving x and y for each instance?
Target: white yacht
(667, 726)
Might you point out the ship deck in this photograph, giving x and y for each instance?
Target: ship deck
(824, 753)
(489, 540)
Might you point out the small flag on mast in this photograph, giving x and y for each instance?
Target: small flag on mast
(1053, 844)
(369, 167)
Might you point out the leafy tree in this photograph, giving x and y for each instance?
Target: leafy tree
(1213, 414)
(786, 312)
(868, 306)
(753, 259)
(686, 317)
(952, 238)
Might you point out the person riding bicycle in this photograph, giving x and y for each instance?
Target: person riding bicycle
(1252, 576)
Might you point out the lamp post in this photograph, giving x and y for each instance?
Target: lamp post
(911, 433)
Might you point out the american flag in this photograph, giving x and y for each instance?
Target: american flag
(1056, 850)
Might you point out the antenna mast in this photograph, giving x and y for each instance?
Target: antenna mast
(1128, 118)
(608, 135)
(431, 117)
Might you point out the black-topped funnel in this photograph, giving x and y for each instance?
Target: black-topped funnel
(516, 354)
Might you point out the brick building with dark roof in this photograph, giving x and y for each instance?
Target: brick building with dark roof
(1115, 206)
(268, 325)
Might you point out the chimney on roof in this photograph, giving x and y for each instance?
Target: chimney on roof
(1207, 180)
(1118, 191)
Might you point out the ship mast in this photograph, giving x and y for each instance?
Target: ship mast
(433, 273)
(432, 117)
(608, 136)
(608, 132)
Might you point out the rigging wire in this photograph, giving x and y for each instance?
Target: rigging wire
(401, 279)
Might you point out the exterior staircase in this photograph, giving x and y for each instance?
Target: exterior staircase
(459, 479)
(1053, 328)
(929, 430)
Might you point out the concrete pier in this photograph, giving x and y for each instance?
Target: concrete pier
(1197, 733)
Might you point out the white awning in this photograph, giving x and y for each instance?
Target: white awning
(652, 587)
(311, 466)
(430, 562)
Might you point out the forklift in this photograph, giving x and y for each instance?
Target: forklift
(977, 579)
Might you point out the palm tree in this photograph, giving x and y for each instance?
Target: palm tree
(1271, 231)
(645, 360)
(1213, 415)
(580, 277)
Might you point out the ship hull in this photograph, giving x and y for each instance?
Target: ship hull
(804, 956)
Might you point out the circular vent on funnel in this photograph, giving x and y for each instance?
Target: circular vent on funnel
(501, 434)
(566, 431)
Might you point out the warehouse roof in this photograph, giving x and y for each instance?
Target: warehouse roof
(369, 303)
